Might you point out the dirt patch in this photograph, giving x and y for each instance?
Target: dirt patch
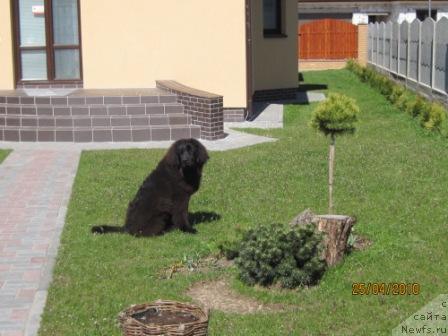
(218, 295)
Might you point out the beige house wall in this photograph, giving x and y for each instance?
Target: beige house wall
(6, 47)
(274, 59)
(200, 43)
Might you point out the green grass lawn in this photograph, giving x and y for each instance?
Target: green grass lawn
(3, 154)
(391, 175)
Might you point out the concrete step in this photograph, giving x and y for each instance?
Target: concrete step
(98, 134)
(77, 110)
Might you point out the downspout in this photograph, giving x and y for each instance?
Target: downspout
(248, 58)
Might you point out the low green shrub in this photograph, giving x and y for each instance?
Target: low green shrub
(368, 75)
(396, 93)
(432, 116)
(403, 100)
(385, 85)
(444, 127)
(415, 106)
(274, 254)
(353, 66)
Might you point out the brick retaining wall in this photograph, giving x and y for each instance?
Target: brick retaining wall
(205, 108)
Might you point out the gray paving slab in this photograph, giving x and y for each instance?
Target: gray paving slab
(270, 114)
(266, 115)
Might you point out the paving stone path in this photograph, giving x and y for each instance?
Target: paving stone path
(35, 187)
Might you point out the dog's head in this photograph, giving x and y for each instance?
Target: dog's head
(187, 153)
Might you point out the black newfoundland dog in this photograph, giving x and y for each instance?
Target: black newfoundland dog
(161, 203)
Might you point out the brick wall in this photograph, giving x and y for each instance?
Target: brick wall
(363, 43)
(321, 65)
(205, 108)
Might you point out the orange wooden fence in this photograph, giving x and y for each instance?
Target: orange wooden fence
(328, 39)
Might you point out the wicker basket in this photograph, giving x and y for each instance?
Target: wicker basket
(133, 327)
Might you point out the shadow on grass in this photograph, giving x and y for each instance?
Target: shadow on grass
(312, 87)
(203, 217)
(303, 87)
(193, 217)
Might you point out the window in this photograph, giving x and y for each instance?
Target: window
(272, 16)
(48, 44)
(422, 14)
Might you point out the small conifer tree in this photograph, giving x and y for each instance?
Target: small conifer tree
(334, 116)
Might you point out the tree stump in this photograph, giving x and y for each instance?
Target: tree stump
(337, 229)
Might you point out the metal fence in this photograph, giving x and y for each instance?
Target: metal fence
(417, 52)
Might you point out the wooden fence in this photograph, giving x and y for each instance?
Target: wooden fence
(328, 39)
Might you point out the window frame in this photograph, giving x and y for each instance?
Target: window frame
(50, 47)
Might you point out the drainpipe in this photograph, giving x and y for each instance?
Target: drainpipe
(248, 7)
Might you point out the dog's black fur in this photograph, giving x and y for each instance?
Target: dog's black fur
(161, 203)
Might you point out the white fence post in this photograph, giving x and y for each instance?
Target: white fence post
(441, 56)
(426, 50)
(433, 60)
(419, 54)
(387, 45)
(403, 47)
(394, 47)
(408, 52)
(380, 61)
(414, 51)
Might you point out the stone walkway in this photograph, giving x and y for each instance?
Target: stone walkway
(35, 186)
